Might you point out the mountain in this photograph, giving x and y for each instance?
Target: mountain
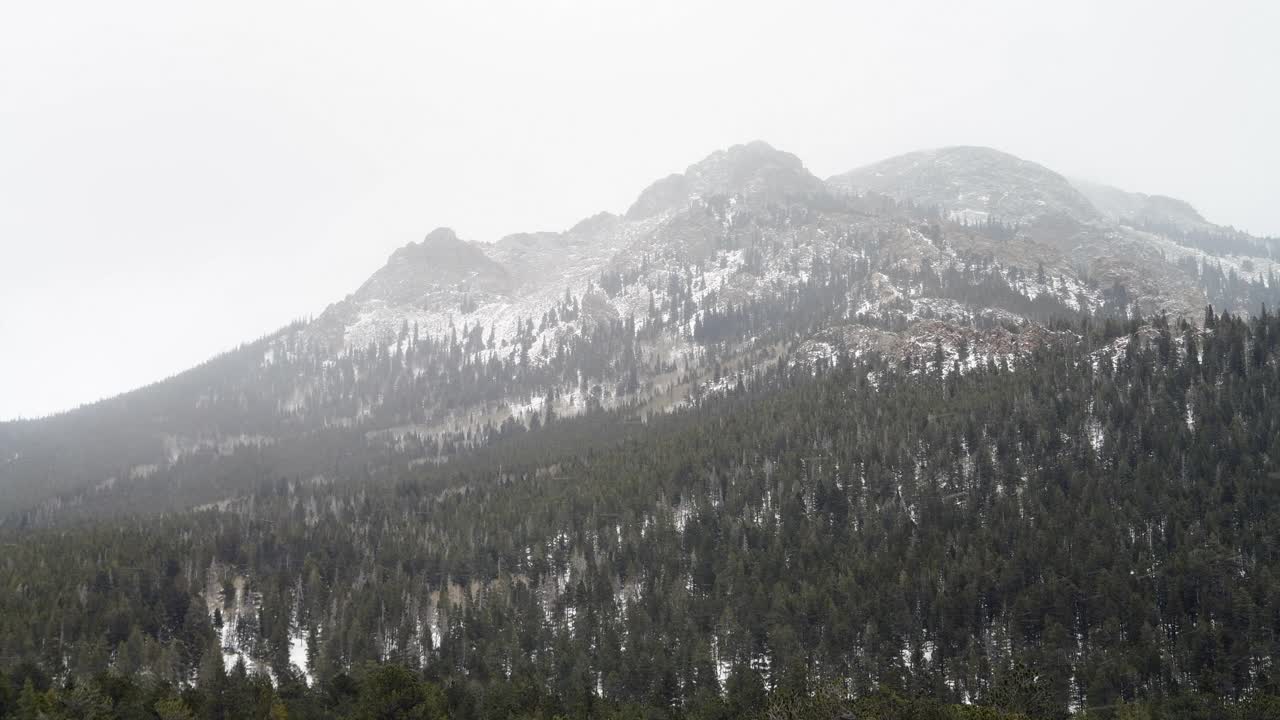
(1120, 206)
(1089, 526)
(948, 436)
(973, 183)
(744, 260)
(441, 260)
(440, 271)
(1164, 254)
(754, 173)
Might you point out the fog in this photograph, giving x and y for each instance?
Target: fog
(177, 178)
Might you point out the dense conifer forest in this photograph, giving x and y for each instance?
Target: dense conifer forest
(1091, 529)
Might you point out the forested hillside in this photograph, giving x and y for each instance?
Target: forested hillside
(1091, 526)
(743, 258)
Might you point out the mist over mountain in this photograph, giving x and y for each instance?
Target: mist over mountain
(946, 430)
(742, 260)
(974, 183)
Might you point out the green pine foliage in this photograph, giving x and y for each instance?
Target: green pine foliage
(1091, 530)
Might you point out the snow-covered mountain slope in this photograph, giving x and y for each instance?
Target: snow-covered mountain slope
(1159, 249)
(523, 276)
(973, 184)
(755, 173)
(955, 256)
(1121, 206)
(1174, 220)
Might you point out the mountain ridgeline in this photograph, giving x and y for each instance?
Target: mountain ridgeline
(947, 436)
(743, 259)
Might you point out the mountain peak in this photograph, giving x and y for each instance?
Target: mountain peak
(973, 182)
(754, 170)
(439, 245)
(744, 158)
(1123, 206)
(441, 259)
(441, 237)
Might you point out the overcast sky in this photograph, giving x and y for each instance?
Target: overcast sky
(176, 178)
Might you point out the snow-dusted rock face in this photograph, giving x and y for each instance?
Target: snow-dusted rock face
(972, 183)
(1121, 206)
(758, 220)
(977, 238)
(440, 272)
(943, 259)
(1165, 255)
(444, 282)
(440, 261)
(754, 172)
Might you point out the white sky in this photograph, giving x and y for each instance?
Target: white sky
(176, 178)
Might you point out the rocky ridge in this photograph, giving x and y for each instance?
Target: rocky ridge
(744, 259)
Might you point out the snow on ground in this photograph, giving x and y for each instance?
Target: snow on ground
(298, 655)
(1251, 268)
(1094, 430)
(1113, 352)
(179, 446)
(139, 472)
(723, 665)
(577, 264)
(240, 610)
